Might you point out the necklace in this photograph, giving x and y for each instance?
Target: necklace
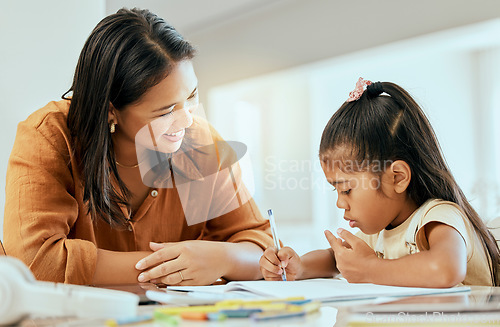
(123, 166)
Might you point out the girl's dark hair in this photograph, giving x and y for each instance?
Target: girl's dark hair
(379, 129)
(126, 54)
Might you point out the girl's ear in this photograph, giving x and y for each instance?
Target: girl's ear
(401, 173)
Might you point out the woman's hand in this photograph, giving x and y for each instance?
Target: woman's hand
(272, 264)
(353, 258)
(184, 263)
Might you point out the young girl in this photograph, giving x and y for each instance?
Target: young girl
(80, 208)
(417, 228)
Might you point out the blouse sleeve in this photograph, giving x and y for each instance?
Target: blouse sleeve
(41, 209)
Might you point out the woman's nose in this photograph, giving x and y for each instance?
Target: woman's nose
(183, 117)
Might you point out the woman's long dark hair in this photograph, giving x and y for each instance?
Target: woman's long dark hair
(380, 128)
(126, 54)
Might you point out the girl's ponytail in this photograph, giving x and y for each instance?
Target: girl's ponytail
(385, 124)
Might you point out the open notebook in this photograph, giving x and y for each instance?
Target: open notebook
(325, 290)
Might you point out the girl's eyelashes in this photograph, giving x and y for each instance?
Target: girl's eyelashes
(347, 192)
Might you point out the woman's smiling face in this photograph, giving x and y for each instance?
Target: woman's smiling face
(159, 119)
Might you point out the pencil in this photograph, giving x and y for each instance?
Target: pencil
(272, 222)
(128, 320)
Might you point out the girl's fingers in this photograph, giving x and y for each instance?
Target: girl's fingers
(286, 253)
(335, 243)
(272, 256)
(272, 277)
(350, 238)
(271, 267)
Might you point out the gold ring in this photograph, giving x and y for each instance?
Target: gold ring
(182, 277)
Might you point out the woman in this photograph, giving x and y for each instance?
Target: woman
(91, 201)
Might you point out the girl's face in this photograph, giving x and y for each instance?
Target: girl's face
(159, 119)
(369, 201)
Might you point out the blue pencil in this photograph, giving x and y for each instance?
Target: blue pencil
(128, 320)
(274, 232)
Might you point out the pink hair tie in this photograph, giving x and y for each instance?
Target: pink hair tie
(361, 85)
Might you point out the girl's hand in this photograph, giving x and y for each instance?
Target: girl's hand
(353, 258)
(272, 264)
(184, 263)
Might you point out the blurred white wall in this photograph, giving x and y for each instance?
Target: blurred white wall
(290, 33)
(40, 42)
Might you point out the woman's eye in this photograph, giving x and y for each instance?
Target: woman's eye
(194, 95)
(168, 111)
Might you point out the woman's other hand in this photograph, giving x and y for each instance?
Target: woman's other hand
(184, 263)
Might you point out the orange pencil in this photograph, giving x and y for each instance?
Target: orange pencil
(192, 315)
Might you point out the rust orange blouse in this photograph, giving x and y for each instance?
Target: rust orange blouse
(46, 224)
